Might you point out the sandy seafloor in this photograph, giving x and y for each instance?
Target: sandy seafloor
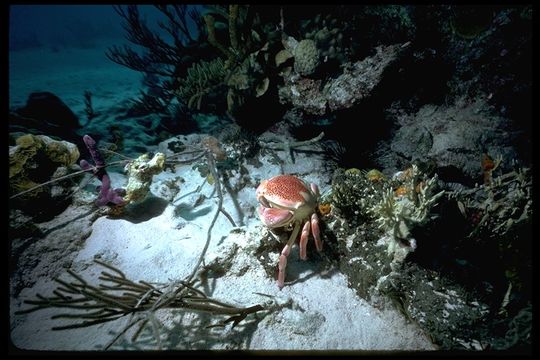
(319, 311)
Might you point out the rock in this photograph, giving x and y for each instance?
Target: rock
(357, 81)
(455, 137)
(45, 113)
(36, 159)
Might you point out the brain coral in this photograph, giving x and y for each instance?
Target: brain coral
(306, 57)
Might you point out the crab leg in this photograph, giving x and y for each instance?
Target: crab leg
(304, 240)
(315, 190)
(283, 257)
(316, 231)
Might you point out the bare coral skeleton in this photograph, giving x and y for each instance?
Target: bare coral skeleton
(286, 201)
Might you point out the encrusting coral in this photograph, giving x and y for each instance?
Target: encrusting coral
(306, 57)
(140, 173)
(35, 158)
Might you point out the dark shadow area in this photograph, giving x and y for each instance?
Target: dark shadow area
(143, 211)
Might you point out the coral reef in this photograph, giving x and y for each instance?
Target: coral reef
(355, 83)
(405, 207)
(437, 224)
(455, 137)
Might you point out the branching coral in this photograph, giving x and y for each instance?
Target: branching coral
(168, 59)
(399, 211)
(117, 296)
(395, 205)
(499, 206)
(202, 78)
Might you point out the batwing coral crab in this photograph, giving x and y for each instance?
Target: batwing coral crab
(286, 201)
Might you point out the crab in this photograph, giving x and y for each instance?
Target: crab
(288, 202)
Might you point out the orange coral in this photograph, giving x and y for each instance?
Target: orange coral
(487, 162)
(488, 165)
(420, 186)
(401, 191)
(324, 209)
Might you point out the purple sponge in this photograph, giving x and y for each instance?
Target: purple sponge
(106, 193)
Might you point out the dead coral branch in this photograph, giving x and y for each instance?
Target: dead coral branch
(116, 296)
(277, 143)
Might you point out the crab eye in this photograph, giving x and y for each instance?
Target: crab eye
(264, 202)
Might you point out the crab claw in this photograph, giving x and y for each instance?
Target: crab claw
(274, 217)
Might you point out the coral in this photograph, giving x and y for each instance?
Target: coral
(247, 53)
(455, 137)
(304, 94)
(504, 203)
(103, 303)
(168, 57)
(106, 193)
(356, 82)
(330, 42)
(362, 196)
(35, 158)
(140, 173)
(398, 213)
(306, 57)
(353, 193)
(359, 79)
(201, 80)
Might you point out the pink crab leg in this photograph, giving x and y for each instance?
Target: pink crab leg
(315, 190)
(283, 257)
(316, 231)
(304, 240)
(273, 217)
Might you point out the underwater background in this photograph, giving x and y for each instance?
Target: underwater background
(257, 177)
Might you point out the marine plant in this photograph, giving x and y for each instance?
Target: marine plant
(167, 57)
